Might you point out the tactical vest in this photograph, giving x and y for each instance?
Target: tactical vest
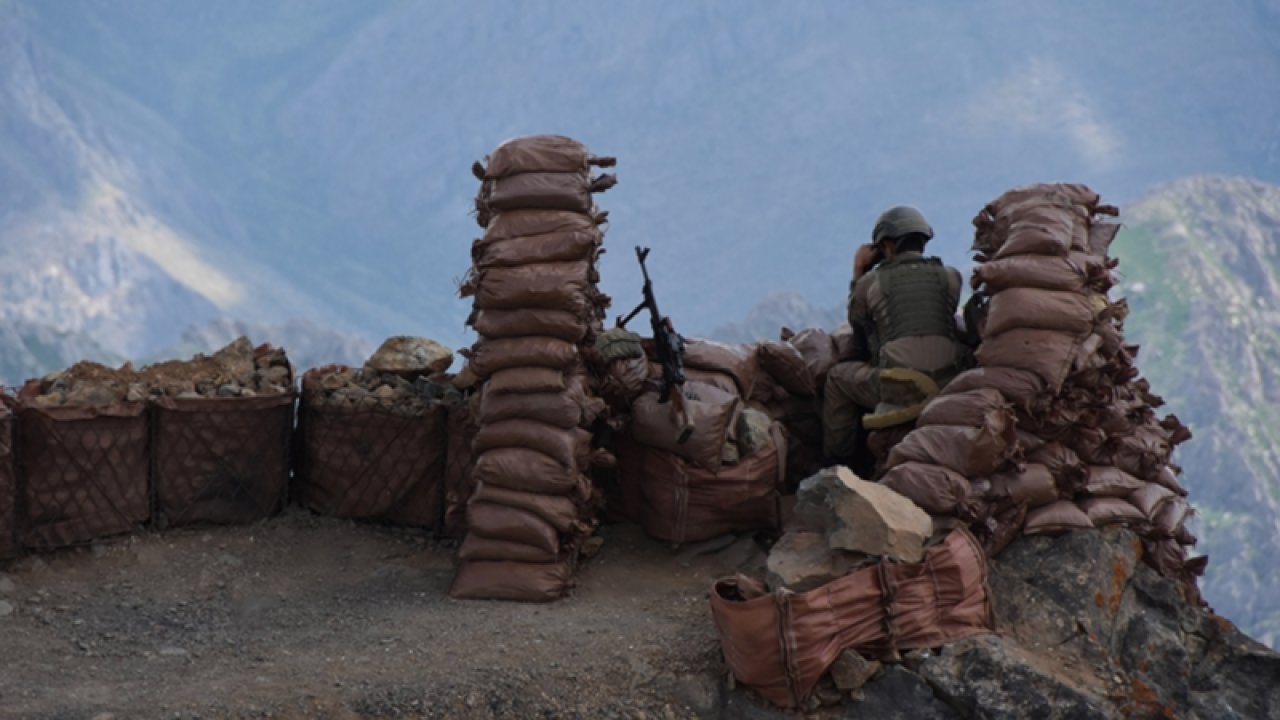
(915, 300)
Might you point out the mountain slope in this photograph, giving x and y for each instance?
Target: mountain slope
(1201, 265)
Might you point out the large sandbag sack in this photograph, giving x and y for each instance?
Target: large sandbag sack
(786, 366)
(490, 355)
(570, 448)
(781, 644)
(510, 580)
(972, 452)
(540, 153)
(1046, 353)
(711, 414)
(560, 324)
(1066, 312)
(936, 489)
(549, 248)
(983, 407)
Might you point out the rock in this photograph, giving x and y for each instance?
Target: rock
(899, 694)
(92, 394)
(862, 516)
(277, 375)
(991, 678)
(851, 671)
(698, 693)
(385, 392)
(6, 608)
(802, 561)
(53, 399)
(411, 356)
(7, 585)
(136, 393)
(229, 391)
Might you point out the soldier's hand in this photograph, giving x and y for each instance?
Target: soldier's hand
(864, 259)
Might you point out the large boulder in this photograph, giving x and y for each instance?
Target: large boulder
(860, 516)
(411, 356)
(802, 561)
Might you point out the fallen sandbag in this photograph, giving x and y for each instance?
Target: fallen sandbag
(549, 248)
(1033, 485)
(501, 522)
(570, 448)
(510, 580)
(983, 407)
(784, 363)
(1065, 312)
(520, 322)
(710, 414)
(525, 469)
(1056, 518)
(1046, 353)
(490, 355)
(972, 452)
(937, 490)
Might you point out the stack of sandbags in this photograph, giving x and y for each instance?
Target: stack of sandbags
(221, 431)
(536, 309)
(716, 469)
(1088, 449)
(790, 387)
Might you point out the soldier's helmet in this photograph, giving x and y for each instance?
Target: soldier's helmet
(899, 221)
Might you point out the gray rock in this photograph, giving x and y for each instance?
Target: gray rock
(862, 516)
(899, 694)
(851, 671)
(6, 608)
(7, 585)
(411, 355)
(802, 561)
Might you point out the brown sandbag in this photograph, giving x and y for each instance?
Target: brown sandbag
(937, 490)
(478, 548)
(1040, 229)
(560, 286)
(1056, 518)
(1150, 498)
(530, 223)
(1033, 486)
(558, 409)
(1046, 353)
(972, 452)
(736, 361)
(539, 190)
(842, 339)
(681, 502)
(1143, 453)
(1066, 273)
(1101, 235)
(1171, 516)
(526, 380)
(711, 413)
(983, 407)
(781, 644)
(819, 351)
(571, 448)
(560, 511)
(1060, 311)
(1023, 388)
(718, 380)
(510, 580)
(624, 380)
(528, 470)
(511, 524)
(1063, 464)
(538, 153)
(1168, 478)
(1104, 511)
(8, 485)
(521, 322)
(1109, 481)
(784, 363)
(529, 250)
(490, 355)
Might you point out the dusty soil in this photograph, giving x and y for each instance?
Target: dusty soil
(304, 616)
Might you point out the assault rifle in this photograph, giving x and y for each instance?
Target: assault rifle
(669, 346)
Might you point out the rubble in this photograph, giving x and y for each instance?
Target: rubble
(339, 386)
(861, 516)
(410, 357)
(237, 370)
(851, 671)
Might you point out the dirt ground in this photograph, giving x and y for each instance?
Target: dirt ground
(303, 617)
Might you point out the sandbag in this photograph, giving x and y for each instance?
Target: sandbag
(1033, 486)
(489, 355)
(529, 250)
(1103, 511)
(1023, 388)
(842, 339)
(521, 322)
(1101, 235)
(539, 153)
(1040, 229)
(539, 190)
(1170, 517)
(1168, 478)
(624, 380)
(1046, 353)
(558, 409)
(937, 490)
(736, 361)
(1067, 273)
(478, 548)
(1063, 464)
(983, 407)
(509, 580)
(511, 524)
(718, 380)
(711, 413)
(1108, 481)
(559, 511)
(1143, 453)
(1060, 311)
(972, 452)
(571, 448)
(525, 469)
(784, 363)
(818, 350)
(565, 286)
(1056, 518)
(1150, 498)
(531, 223)
(526, 380)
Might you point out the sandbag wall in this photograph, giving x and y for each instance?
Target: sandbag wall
(536, 310)
(727, 474)
(1054, 430)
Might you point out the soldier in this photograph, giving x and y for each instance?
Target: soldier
(902, 308)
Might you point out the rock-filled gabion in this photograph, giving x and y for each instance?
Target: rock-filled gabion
(537, 310)
(1054, 430)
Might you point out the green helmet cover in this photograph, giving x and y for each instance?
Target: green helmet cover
(899, 221)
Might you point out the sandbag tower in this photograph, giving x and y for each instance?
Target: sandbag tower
(536, 310)
(1054, 430)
